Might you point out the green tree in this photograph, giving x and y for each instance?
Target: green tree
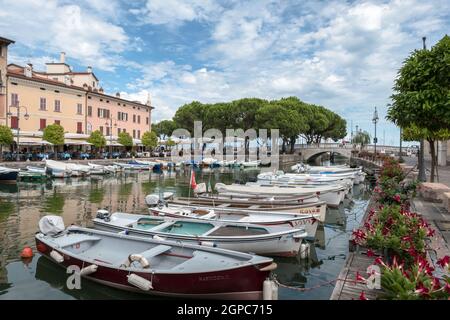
(125, 140)
(149, 139)
(414, 133)
(164, 128)
(186, 115)
(6, 138)
(54, 133)
(362, 138)
(97, 139)
(421, 93)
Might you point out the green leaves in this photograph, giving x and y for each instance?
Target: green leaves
(6, 136)
(149, 139)
(125, 139)
(54, 133)
(97, 139)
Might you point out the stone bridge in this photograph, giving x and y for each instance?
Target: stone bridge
(308, 151)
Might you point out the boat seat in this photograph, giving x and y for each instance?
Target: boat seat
(76, 238)
(155, 251)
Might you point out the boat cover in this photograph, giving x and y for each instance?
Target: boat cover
(51, 225)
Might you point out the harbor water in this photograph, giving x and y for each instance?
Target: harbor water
(77, 200)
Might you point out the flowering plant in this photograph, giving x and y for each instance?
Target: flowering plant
(416, 282)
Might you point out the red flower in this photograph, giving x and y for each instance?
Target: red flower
(370, 253)
(397, 198)
(359, 278)
(444, 262)
(362, 296)
(378, 260)
(422, 290)
(406, 238)
(447, 288)
(436, 283)
(431, 232)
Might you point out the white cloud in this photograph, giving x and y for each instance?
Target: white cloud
(175, 12)
(53, 26)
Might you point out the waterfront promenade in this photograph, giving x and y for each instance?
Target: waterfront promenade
(434, 212)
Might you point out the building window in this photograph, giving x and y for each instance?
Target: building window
(79, 127)
(134, 134)
(146, 120)
(14, 122)
(57, 106)
(139, 134)
(58, 122)
(79, 108)
(103, 113)
(101, 129)
(139, 119)
(134, 118)
(14, 99)
(89, 111)
(42, 124)
(43, 104)
(107, 131)
(118, 131)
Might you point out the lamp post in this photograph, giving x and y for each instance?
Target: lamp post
(400, 158)
(110, 133)
(26, 116)
(421, 161)
(375, 120)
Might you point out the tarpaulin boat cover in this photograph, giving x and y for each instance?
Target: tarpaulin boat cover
(51, 225)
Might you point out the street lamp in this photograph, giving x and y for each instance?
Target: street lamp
(421, 161)
(400, 158)
(26, 116)
(110, 133)
(375, 120)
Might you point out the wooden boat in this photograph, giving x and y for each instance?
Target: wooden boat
(280, 178)
(258, 199)
(32, 176)
(35, 169)
(317, 208)
(276, 240)
(97, 168)
(333, 195)
(156, 267)
(8, 175)
(240, 216)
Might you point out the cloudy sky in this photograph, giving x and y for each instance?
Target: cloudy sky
(340, 54)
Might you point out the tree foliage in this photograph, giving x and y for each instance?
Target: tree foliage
(97, 139)
(421, 101)
(54, 133)
(164, 128)
(362, 138)
(290, 115)
(149, 139)
(125, 139)
(6, 138)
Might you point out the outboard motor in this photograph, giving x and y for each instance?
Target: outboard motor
(51, 225)
(152, 200)
(104, 215)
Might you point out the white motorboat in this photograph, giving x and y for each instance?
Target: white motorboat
(304, 178)
(97, 168)
(36, 169)
(250, 164)
(242, 216)
(333, 195)
(244, 237)
(57, 169)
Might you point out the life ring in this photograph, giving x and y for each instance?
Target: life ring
(137, 257)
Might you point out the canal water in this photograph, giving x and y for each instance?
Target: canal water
(77, 201)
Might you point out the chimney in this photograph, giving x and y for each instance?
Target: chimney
(62, 57)
(89, 69)
(118, 94)
(149, 103)
(100, 90)
(28, 70)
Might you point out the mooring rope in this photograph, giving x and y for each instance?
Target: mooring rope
(316, 286)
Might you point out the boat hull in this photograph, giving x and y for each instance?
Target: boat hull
(239, 283)
(280, 245)
(9, 176)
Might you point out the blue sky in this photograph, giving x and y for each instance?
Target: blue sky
(340, 54)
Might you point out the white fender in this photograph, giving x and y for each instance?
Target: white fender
(208, 243)
(88, 270)
(267, 289)
(139, 282)
(56, 256)
(156, 237)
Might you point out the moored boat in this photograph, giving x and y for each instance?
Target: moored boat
(8, 174)
(156, 267)
(276, 240)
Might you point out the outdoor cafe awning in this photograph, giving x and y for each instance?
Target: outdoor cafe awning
(76, 142)
(30, 141)
(113, 143)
